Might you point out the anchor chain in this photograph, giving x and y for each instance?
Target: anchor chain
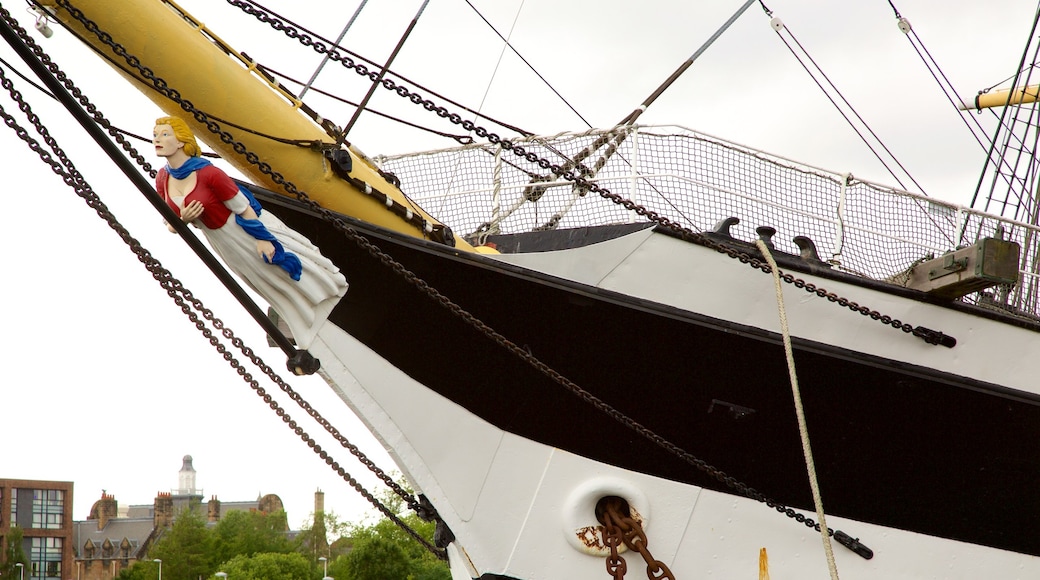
(399, 269)
(620, 528)
(185, 300)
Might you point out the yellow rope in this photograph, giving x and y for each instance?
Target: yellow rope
(803, 430)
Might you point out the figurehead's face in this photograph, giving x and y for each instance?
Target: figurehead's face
(181, 132)
(166, 142)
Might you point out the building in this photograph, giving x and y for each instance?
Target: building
(112, 539)
(43, 511)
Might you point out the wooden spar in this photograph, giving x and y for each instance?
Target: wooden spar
(219, 81)
(1000, 98)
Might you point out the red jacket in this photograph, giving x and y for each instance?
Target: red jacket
(213, 187)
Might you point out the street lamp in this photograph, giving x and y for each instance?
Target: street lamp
(159, 562)
(325, 562)
(21, 570)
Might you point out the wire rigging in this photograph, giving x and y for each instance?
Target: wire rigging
(262, 13)
(1002, 124)
(191, 306)
(339, 39)
(801, 57)
(509, 45)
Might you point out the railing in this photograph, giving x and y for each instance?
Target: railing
(697, 180)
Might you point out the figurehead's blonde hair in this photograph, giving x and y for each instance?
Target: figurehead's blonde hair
(183, 133)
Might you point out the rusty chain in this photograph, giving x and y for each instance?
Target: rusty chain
(183, 297)
(619, 528)
(349, 232)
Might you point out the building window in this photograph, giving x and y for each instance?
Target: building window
(48, 509)
(45, 555)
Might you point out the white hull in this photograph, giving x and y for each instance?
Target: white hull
(517, 507)
(513, 504)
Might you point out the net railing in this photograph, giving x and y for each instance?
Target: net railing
(697, 180)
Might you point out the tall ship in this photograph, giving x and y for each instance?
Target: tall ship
(624, 351)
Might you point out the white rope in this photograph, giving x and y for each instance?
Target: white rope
(803, 430)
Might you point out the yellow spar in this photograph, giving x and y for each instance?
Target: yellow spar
(227, 86)
(1003, 97)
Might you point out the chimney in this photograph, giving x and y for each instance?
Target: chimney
(213, 514)
(163, 517)
(321, 540)
(107, 508)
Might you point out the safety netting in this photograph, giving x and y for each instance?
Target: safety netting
(697, 180)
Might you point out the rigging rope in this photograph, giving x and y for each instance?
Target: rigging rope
(267, 16)
(779, 27)
(339, 39)
(933, 337)
(1004, 111)
(191, 306)
(431, 292)
(509, 45)
(930, 336)
(803, 429)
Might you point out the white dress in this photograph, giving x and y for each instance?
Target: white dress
(303, 305)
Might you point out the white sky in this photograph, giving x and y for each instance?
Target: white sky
(106, 384)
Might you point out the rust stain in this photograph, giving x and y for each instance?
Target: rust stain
(591, 536)
(763, 565)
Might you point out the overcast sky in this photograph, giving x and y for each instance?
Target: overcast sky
(107, 385)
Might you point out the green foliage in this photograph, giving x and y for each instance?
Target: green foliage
(254, 546)
(385, 551)
(377, 558)
(186, 549)
(269, 566)
(317, 538)
(14, 554)
(248, 533)
(145, 570)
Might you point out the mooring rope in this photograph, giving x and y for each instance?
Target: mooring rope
(803, 430)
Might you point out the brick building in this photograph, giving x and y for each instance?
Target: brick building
(43, 511)
(112, 539)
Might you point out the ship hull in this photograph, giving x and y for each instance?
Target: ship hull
(683, 340)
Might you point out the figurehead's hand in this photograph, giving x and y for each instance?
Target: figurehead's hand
(265, 250)
(192, 211)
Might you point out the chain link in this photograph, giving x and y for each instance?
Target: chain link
(422, 285)
(619, 527)
(185, 300)
(576, 173)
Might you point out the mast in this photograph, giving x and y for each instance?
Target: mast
(226, 85)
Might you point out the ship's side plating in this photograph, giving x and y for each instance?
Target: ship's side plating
(902, 430)
(507, 455)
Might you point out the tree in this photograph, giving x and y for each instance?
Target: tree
(377, 558)
(248, 533)
(383, 550)
(142, 570)
(268, 566)
(14, 554)
(318, 537)
(186, 549)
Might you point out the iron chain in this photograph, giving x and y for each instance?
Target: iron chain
(420, 284)
(182, 296)
(619, 527)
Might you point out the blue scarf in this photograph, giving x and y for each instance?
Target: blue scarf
(286, 260)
